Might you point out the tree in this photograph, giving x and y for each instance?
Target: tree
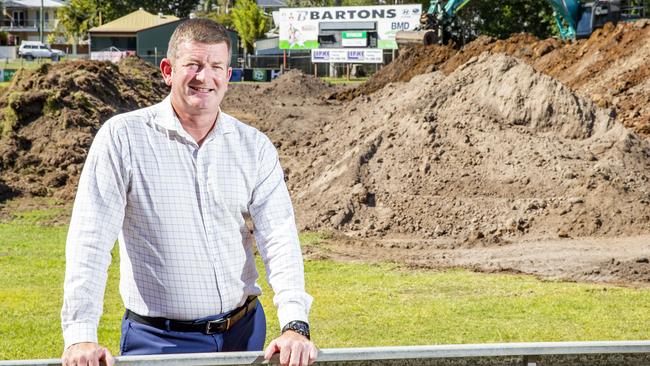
(250, 23)
(208, 6)
(76, 19)
(113, 9)
(502, 18)
(224, 19)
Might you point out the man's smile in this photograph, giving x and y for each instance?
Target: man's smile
(200, 89)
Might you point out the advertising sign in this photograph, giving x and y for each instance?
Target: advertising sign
(299, 27)
(257, 75)
(7, 74)
(347, 55)
(111, 55)
(354, 39)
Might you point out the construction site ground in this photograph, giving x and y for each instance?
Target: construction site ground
(518, 155)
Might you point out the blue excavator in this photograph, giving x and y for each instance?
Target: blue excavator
(574, 19)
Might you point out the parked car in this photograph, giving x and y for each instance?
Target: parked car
(34, 49)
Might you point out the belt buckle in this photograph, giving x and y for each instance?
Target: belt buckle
(217, 326)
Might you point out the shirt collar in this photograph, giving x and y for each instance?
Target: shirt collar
(168, 120)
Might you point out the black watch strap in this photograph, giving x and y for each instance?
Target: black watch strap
(299, 327)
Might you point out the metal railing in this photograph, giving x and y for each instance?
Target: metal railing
(528, 354)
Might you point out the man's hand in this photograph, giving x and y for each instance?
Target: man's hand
(86, 354)
(295, 349)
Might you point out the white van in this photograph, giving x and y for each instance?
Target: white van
(34, 49)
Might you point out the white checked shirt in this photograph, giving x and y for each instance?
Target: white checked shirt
(178, 212)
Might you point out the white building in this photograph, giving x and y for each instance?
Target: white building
(21, 19)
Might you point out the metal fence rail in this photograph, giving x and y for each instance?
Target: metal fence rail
(529, 354)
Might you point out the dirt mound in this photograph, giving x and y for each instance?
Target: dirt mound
(522, 46)
(416, 59)
(610, 68)
(291, 110)
(413, 60)
(295, 83)
(493, 151)
(50, 115)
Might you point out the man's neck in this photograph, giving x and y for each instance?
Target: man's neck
(198, 126)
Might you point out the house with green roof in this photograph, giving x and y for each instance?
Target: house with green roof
(139, 32)
(142, 33)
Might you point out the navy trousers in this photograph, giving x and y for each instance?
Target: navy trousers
(247, 334)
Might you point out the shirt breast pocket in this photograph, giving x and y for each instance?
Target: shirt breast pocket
(231, 189)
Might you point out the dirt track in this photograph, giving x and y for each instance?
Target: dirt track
(520, 155)
(622, 260)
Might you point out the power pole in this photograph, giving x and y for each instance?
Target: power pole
(40, 28)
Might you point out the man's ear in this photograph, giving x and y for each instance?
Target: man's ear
(229, 73)
(166, 69)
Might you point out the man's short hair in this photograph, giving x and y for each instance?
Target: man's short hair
(198, 30)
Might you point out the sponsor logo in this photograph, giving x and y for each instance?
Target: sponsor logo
(321, 55)
(353, 14)
(355, 55)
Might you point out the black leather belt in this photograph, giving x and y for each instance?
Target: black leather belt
(208, 327)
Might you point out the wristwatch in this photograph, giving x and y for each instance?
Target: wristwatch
(297, 326)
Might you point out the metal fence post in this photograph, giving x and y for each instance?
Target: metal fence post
(530, 360)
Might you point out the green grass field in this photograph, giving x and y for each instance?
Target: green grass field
(356, 305)
(22, 63)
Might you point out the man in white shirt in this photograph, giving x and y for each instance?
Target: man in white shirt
(175, 183)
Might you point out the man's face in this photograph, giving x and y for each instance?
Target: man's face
(198, 77)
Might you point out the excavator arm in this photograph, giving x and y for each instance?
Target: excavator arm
(433, 23)
(567, 13)
(574, 19)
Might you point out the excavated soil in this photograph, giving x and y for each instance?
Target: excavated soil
(491, 153)
(50, 116)
(610, 68)
(518, 155)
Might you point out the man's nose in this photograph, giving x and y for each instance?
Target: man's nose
(205, 73)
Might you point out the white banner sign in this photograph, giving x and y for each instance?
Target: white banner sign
(347, 55)
(299, 27)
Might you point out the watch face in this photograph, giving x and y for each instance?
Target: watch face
(298, 327)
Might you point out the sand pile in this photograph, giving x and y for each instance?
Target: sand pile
(291, 110)
(494, 150)
(610, 68)
(412, 61)
(50, 115)
(295, 83)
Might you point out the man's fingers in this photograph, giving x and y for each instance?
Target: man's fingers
(285, 354)
(296, 354)
(86, 354)
(270, 350)
(107, 357)
(304, 355)
(313, 353)
(93, 360)
(101, 354)
(82, 360)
